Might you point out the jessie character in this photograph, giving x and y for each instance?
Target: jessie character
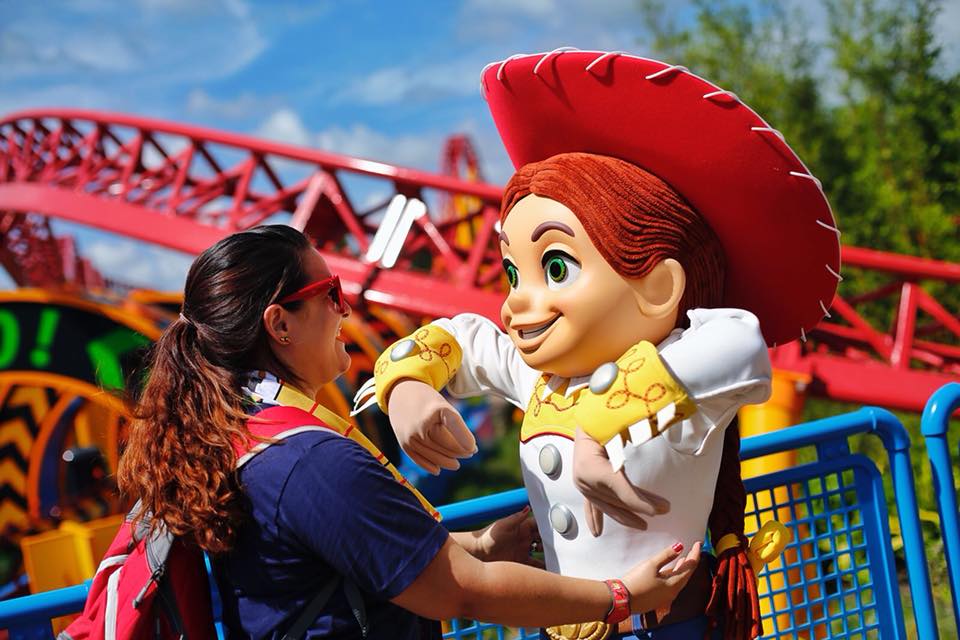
(657, 236)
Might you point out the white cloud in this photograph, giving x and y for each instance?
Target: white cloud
(157, 42)
(72, 95)
(243, 105)
(420, 150)
(543, 25)
(285, 125)
(947, 30)
(421, 83)
(138, 264)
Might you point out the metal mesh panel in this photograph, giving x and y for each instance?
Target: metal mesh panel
(830, 581)
(824, 584)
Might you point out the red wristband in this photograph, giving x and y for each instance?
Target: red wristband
(620, 605)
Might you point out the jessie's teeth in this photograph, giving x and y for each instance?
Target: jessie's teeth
(526, 334)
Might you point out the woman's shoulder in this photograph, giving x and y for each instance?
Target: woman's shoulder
(308, 444)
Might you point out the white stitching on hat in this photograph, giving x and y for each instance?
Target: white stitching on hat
(504, 64)
(834, 273)
(601, 57)
(547, 56)
(803, 335)
(769, 130)
(721, 92)
(668, 69)
(828, 227)
(483, 80)
(826, 313)
(808, 176)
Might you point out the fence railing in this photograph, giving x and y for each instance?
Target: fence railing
(837, 577)
(934, 426)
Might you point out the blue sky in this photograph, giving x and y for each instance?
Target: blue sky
(382, 80)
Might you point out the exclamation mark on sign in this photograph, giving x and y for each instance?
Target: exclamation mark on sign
(40, 356)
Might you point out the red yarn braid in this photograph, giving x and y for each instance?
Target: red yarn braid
(636, 220)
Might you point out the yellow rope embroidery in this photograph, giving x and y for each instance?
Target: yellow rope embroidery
(433, 359)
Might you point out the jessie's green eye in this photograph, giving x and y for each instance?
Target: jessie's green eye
(556, 269)
(560, 269)
(513, 276)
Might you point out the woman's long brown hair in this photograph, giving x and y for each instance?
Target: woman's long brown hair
(636, 220)
(179, 460)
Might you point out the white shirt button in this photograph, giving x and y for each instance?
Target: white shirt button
(562, 520)
(550, 461)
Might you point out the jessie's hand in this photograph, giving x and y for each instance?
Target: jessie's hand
(428, 428)
(606, 492)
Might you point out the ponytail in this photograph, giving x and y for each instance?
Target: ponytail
(179, 459)
(734, 599)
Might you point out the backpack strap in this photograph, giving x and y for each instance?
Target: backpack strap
(312, 610)
(274, 424)
(355, 600)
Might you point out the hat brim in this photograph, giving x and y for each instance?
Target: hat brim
(769, 212)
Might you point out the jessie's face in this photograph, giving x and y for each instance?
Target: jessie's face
(568, 311)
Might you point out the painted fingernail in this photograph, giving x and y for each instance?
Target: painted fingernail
(678, 547)
(526, 509)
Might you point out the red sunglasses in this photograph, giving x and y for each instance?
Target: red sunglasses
(329, 286)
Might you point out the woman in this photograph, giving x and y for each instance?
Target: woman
(261, 306)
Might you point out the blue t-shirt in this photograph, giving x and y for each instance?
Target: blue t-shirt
(320, 505)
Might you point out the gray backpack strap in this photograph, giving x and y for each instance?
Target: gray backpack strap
(315, 606)
(311, 611)
(355, 600)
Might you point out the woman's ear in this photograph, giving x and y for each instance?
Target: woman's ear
(658, 293)
(275, 322)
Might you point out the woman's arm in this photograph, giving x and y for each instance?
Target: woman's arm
(457, 585)
(508, 538)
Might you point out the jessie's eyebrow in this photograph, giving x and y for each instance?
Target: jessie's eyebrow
(504, 239)
(543, 227)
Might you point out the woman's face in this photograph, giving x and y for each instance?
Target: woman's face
(568, 311)
(317, 352)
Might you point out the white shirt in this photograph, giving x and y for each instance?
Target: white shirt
(722, 362)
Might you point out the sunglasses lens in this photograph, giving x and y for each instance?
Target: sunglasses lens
(336, 294)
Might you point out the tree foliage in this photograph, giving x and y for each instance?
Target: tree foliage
(863, 100)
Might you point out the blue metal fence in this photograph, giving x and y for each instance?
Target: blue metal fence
(837, 577)
(934, 426)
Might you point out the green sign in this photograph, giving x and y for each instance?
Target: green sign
(70, 341)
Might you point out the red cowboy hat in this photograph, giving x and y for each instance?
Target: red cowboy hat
(769, 212)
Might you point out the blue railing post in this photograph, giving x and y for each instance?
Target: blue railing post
(897, 442)
(934, 425)
(29, 617)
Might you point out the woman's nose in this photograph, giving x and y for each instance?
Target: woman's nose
(346, 310)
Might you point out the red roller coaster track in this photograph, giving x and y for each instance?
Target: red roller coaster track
(184, 187)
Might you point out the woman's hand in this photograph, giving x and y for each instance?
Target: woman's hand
(428, 428)
(510, 539)
(607, 492)
(654, 585)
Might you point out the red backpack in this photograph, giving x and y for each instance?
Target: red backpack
(156, 587)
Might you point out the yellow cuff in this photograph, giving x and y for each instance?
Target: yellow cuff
(430, 355)
(635, 396)
(765, 545)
